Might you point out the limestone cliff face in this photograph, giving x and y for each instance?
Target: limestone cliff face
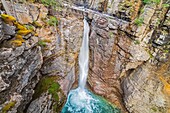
(129, 60)
(129, 56)
(19, 69)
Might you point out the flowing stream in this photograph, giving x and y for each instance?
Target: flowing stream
(80, 100)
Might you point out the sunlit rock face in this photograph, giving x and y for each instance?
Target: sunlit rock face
(145, 89)
(60, 61)
(149, 83)
(19, 67)
(83, 101)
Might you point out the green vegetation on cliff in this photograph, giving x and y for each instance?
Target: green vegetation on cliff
(53, 21)
(151, 1)
(8, 106)
(52, 3)
(139, 21)
(47, 84)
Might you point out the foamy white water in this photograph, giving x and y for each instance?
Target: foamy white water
(83, 101)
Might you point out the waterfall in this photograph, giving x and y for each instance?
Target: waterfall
(80, 100)
(84, 56)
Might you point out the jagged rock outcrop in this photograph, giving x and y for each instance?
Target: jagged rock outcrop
(148, 83)
(63, 57)
(41, 105)
(59, 49)
(129, 57)
(19, 70)
(144, 92)
(132, 51)
(60, 62)
(105, 65)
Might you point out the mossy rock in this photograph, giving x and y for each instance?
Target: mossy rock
(46, 84)
(49, 84)
(8, 106)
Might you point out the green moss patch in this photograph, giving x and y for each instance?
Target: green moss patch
(42, 43)
(53, 21)
(154, 109)
(8, 106)
(139, 21)
(56, 5)
(47, 84)
(151, 1)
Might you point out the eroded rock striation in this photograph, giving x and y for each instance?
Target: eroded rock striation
(19, 70)
(129, 56)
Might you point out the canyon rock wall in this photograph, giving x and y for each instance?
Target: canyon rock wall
(19, 69)
(129, 56)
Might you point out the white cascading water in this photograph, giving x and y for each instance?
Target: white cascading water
(80, 100)
(84, 56)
